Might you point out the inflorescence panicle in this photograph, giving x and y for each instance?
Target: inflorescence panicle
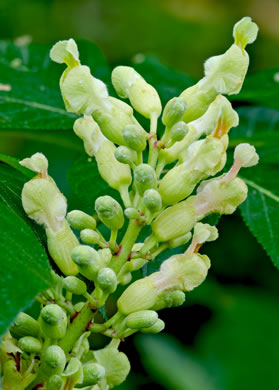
(166, 182)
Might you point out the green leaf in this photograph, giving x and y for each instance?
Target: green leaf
(172, 365)
(261, 87)
(260, 127)
(260, 211)
(240, 343)
(86, 184)
(34, 101)
(24, 264)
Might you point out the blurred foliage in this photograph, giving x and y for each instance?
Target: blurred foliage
(226, 333)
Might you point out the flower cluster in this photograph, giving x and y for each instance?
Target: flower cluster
(168, 183)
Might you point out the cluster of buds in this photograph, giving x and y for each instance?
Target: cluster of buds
(166, 182)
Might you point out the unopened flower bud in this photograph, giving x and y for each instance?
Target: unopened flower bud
(60, 245)
(141, 319)
(55, 383)
(89, 132)
(125, 278)
(178, 241)
(107, 280)
(140, 295)
(156, 328)
(125, 155)
(65, 52)
(105, 255)
(131, 213)
(89, 236)
(204, 158)
(116, 174)
(182, 272)
(88, 260)
(92, 374)
(244, 32)
(178, 131)
(114, 120)
(74, 285)
(116, 365)
(143, 97)
(246, 155)
(144, 178)
(174, 111)
(135, 137)
(204, 232)
(109, 212)
(220, 196)
(152, 200)
(175, 221)
(25, 325)
(37, 163)
(53, 321)
(80, 220)
(53, 361)
(30, 344)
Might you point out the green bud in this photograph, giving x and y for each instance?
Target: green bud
(112, 171)
(135, 137)
(53, 361)
(25, 325)
(140, 295)
(141, 319)
(114, 120)
(220, 196)
(143, 97)
(60, 245)
(152, 200)
(89, 236)
(178, 131)
(65, 52)
(175, 221)
(178, 241)
(55, 383)
(107, 280)
(30, 344)
(244, 32)
(74, 285)
(53, 321)
(116, 365)
(37, 163)
(89, 132)
(144, 178)
(156, 328)
(246, 155)
(197, 100)
(131, 213)
(92, 374)
(80, 220)
(174, 111)
(88, 260)
(125, 155)
(105, 255)
(125, 278)
(177, 297)
(109, 212)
